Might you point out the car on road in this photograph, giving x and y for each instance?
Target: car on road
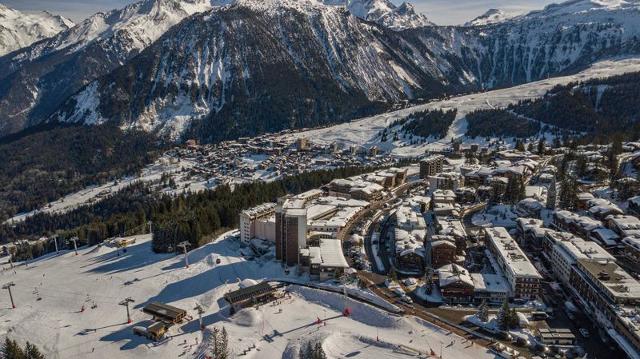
(399, 292)
(406, 299)
(584, 332)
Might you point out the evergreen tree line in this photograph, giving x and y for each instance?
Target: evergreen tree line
(220, 343)
(192, 217)
(43, 164)
(507, 317)
(601, 108)
(12, 350)
(429, 123)
(312, 351)
(500, 123)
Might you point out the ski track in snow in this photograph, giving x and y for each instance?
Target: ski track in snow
(362, 132)
(66, 283)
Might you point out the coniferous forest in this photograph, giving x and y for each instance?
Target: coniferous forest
(192, 217)
(44, 164)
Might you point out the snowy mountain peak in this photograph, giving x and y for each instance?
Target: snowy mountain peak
(492, 16)
(585, 6)
(138, 25)
(387, 14)
(18, 29)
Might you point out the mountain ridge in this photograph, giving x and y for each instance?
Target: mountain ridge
(329, 53)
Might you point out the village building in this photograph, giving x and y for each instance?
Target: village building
(251, 295)
(624, 225)
(456, 284)
(258, 222)
(522, 277)
(431, 165)
(490, 288)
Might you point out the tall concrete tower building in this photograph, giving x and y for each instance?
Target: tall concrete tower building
(291, 230)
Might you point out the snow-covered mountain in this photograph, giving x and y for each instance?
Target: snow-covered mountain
(39, 77)
(268, 65)
(227, 73)
(385, 13)
(558, 39)
(263, 65)
(492, 16)
(18, 29)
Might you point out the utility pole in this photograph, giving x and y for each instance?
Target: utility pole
(126, 302)
(200, 312)
(150, 227)
(184, 246)
(8, 287)
(55, 242)
(75, 244)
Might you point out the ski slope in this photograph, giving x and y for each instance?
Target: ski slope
(67, 304)
(362, 132)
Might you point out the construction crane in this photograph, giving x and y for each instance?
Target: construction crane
(8, 287)
(125, 303)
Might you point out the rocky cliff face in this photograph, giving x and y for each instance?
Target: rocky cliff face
(253, 66)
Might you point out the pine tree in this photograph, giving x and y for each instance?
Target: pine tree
(32, 352)
(483, 311)
(11, 350)
(318, 352)
(223, 352)
(503, 316)
(568, 193)
(541, 147)
(513, 320)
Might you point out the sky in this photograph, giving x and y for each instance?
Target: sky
(443, 12)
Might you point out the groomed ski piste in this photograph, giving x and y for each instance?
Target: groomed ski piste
(67, 305)
(363, 132)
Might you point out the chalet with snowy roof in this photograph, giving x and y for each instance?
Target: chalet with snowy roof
(574, 223)
(530, 233)
(250, 294)
(491, 288)
(624, 225)
(583, 200)
(631, 247)
(634, 205)
(601, 208)
(529, 207)
(441, 250)
(456, 284)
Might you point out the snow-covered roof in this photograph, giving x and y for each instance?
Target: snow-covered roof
(617, 282)
(632, 241)
(491, 283)
(261, 210)
(512, 256)
(331, 254)
(601, 206)
(575, 248)
(586, 223)
(453, 273)
(627, 225)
